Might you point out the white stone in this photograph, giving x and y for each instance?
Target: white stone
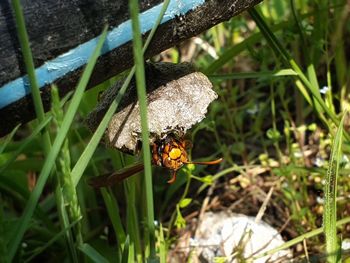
(223, 234)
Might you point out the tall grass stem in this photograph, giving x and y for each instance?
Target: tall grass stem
(141, 92)
(28, 61)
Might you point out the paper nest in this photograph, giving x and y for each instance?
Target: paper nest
(174, 107)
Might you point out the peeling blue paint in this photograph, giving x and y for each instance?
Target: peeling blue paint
(77, 57)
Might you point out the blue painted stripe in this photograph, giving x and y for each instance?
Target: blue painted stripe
(77, 57)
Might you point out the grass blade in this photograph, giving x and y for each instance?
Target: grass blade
(92, 253)
(8, 139)
(51, 241)
(126, 254)
(162, 245)
(113, 213)
(31, 137)
(330, 211)
(50, 160)
(236, 49)
(28, 60)
(301, 238)
(25, 142)
(249, 75)
(142, 97)
(3, 248)
(289, 61)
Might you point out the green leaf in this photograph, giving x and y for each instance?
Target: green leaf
(273, 134)
(180, 222)
(185, 202)
(208, 179)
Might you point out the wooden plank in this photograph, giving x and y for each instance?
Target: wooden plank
(57, 26)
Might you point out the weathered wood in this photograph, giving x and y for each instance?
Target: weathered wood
(56, 26)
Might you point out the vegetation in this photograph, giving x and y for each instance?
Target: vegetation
(280, 123)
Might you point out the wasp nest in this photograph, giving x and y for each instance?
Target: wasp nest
(177, 95)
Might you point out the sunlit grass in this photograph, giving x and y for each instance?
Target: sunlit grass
(281, 76)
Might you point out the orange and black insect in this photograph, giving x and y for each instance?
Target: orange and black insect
(169, 153)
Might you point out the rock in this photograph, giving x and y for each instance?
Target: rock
(236, 236)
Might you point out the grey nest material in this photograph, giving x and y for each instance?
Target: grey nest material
(177, 96)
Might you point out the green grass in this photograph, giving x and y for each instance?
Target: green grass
(272, 124)
(141, 92)
(50, 160)
(330, 213)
